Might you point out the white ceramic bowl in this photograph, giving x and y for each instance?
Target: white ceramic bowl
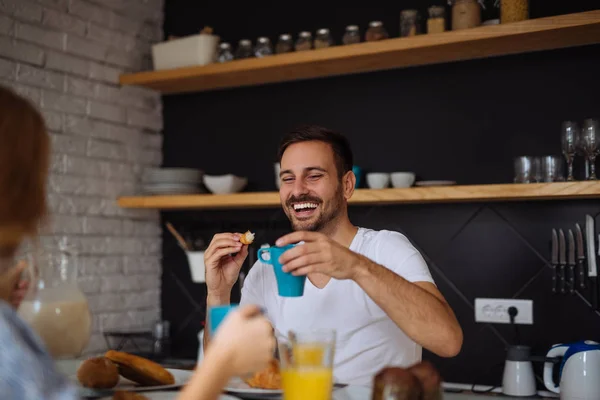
(378, 180)
(403, 179)
(225, 184)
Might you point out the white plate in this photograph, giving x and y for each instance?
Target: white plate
(172, 396)
(435, 183)
(182, 376)
(237, 386)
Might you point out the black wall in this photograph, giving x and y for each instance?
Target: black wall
(461, 121)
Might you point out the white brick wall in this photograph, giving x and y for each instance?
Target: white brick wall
(66, 56)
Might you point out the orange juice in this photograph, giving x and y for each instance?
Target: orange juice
(308, 354)
(304, 383)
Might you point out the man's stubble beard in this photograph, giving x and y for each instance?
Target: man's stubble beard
(325, 217)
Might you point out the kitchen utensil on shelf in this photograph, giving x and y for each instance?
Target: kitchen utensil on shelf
(562, 261)
(590, 144)
(527, 169)
(571, 262)
(590, 237)
(402, 179)
(552, 169)
(378, 180)
(580, 257)
(518, 378)
(225, 184)
(277, 169)
(182, 243)
(569, 141)
(578, 373)
(357, 170)
(554, 260)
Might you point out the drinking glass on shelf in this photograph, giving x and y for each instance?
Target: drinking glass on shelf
(552, 169)
(590, 144)
(569, 141)
(527, 169)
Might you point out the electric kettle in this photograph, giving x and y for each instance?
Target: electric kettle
(579, 372)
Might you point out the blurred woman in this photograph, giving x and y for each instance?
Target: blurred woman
(244, 342)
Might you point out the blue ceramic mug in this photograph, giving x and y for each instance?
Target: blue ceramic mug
(217, 314)
(288, 285)
(358, 172)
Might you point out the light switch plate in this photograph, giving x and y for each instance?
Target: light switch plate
(496, 311)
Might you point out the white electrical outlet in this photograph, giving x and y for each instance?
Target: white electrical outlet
(496, 311)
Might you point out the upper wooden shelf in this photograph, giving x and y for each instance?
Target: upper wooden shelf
(520, 37)
(433, 194)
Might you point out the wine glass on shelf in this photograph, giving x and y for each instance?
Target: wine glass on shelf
(590, 144)
(569, 141)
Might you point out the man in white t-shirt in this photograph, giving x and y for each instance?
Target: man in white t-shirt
(372, 287)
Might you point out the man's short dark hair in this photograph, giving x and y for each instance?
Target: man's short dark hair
(342, 152)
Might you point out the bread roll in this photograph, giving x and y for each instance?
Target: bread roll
(123, 395)
(430, 379)
(98, 373)
(267, 378)
(247, 238)
(395, 383)
(139, 369)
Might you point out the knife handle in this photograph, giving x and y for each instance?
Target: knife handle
(581, 273)
(571, 279)
(554, 280)
(561, 276)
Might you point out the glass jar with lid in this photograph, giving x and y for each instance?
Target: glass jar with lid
(465, 14)
(323, 39)
(263, 47)
(375, 32)
(352, 35)
(409, 23)
(436, 23)
(225, 53)
(244, 49)
(304, 41)
(513, 11)
(284, 44)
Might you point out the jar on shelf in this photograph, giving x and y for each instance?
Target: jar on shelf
(513, 11)
(244, 49)
(225, 53)
(436, 23)
(323, 39)
(284, 44)
(376, 32)
(263, 47)
(351, 35)
(465, 14)
(409, 23)
(304, 41)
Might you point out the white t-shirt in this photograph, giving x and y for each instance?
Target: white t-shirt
(366, 338)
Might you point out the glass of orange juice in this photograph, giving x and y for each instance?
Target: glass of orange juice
(306, 361)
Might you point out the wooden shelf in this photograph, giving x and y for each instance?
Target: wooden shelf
(434, 194)
(496, 40)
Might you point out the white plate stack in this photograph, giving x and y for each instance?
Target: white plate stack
(172, 181)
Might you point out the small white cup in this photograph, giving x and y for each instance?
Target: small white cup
(197, 268)
(378, 180)
(403, 179)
